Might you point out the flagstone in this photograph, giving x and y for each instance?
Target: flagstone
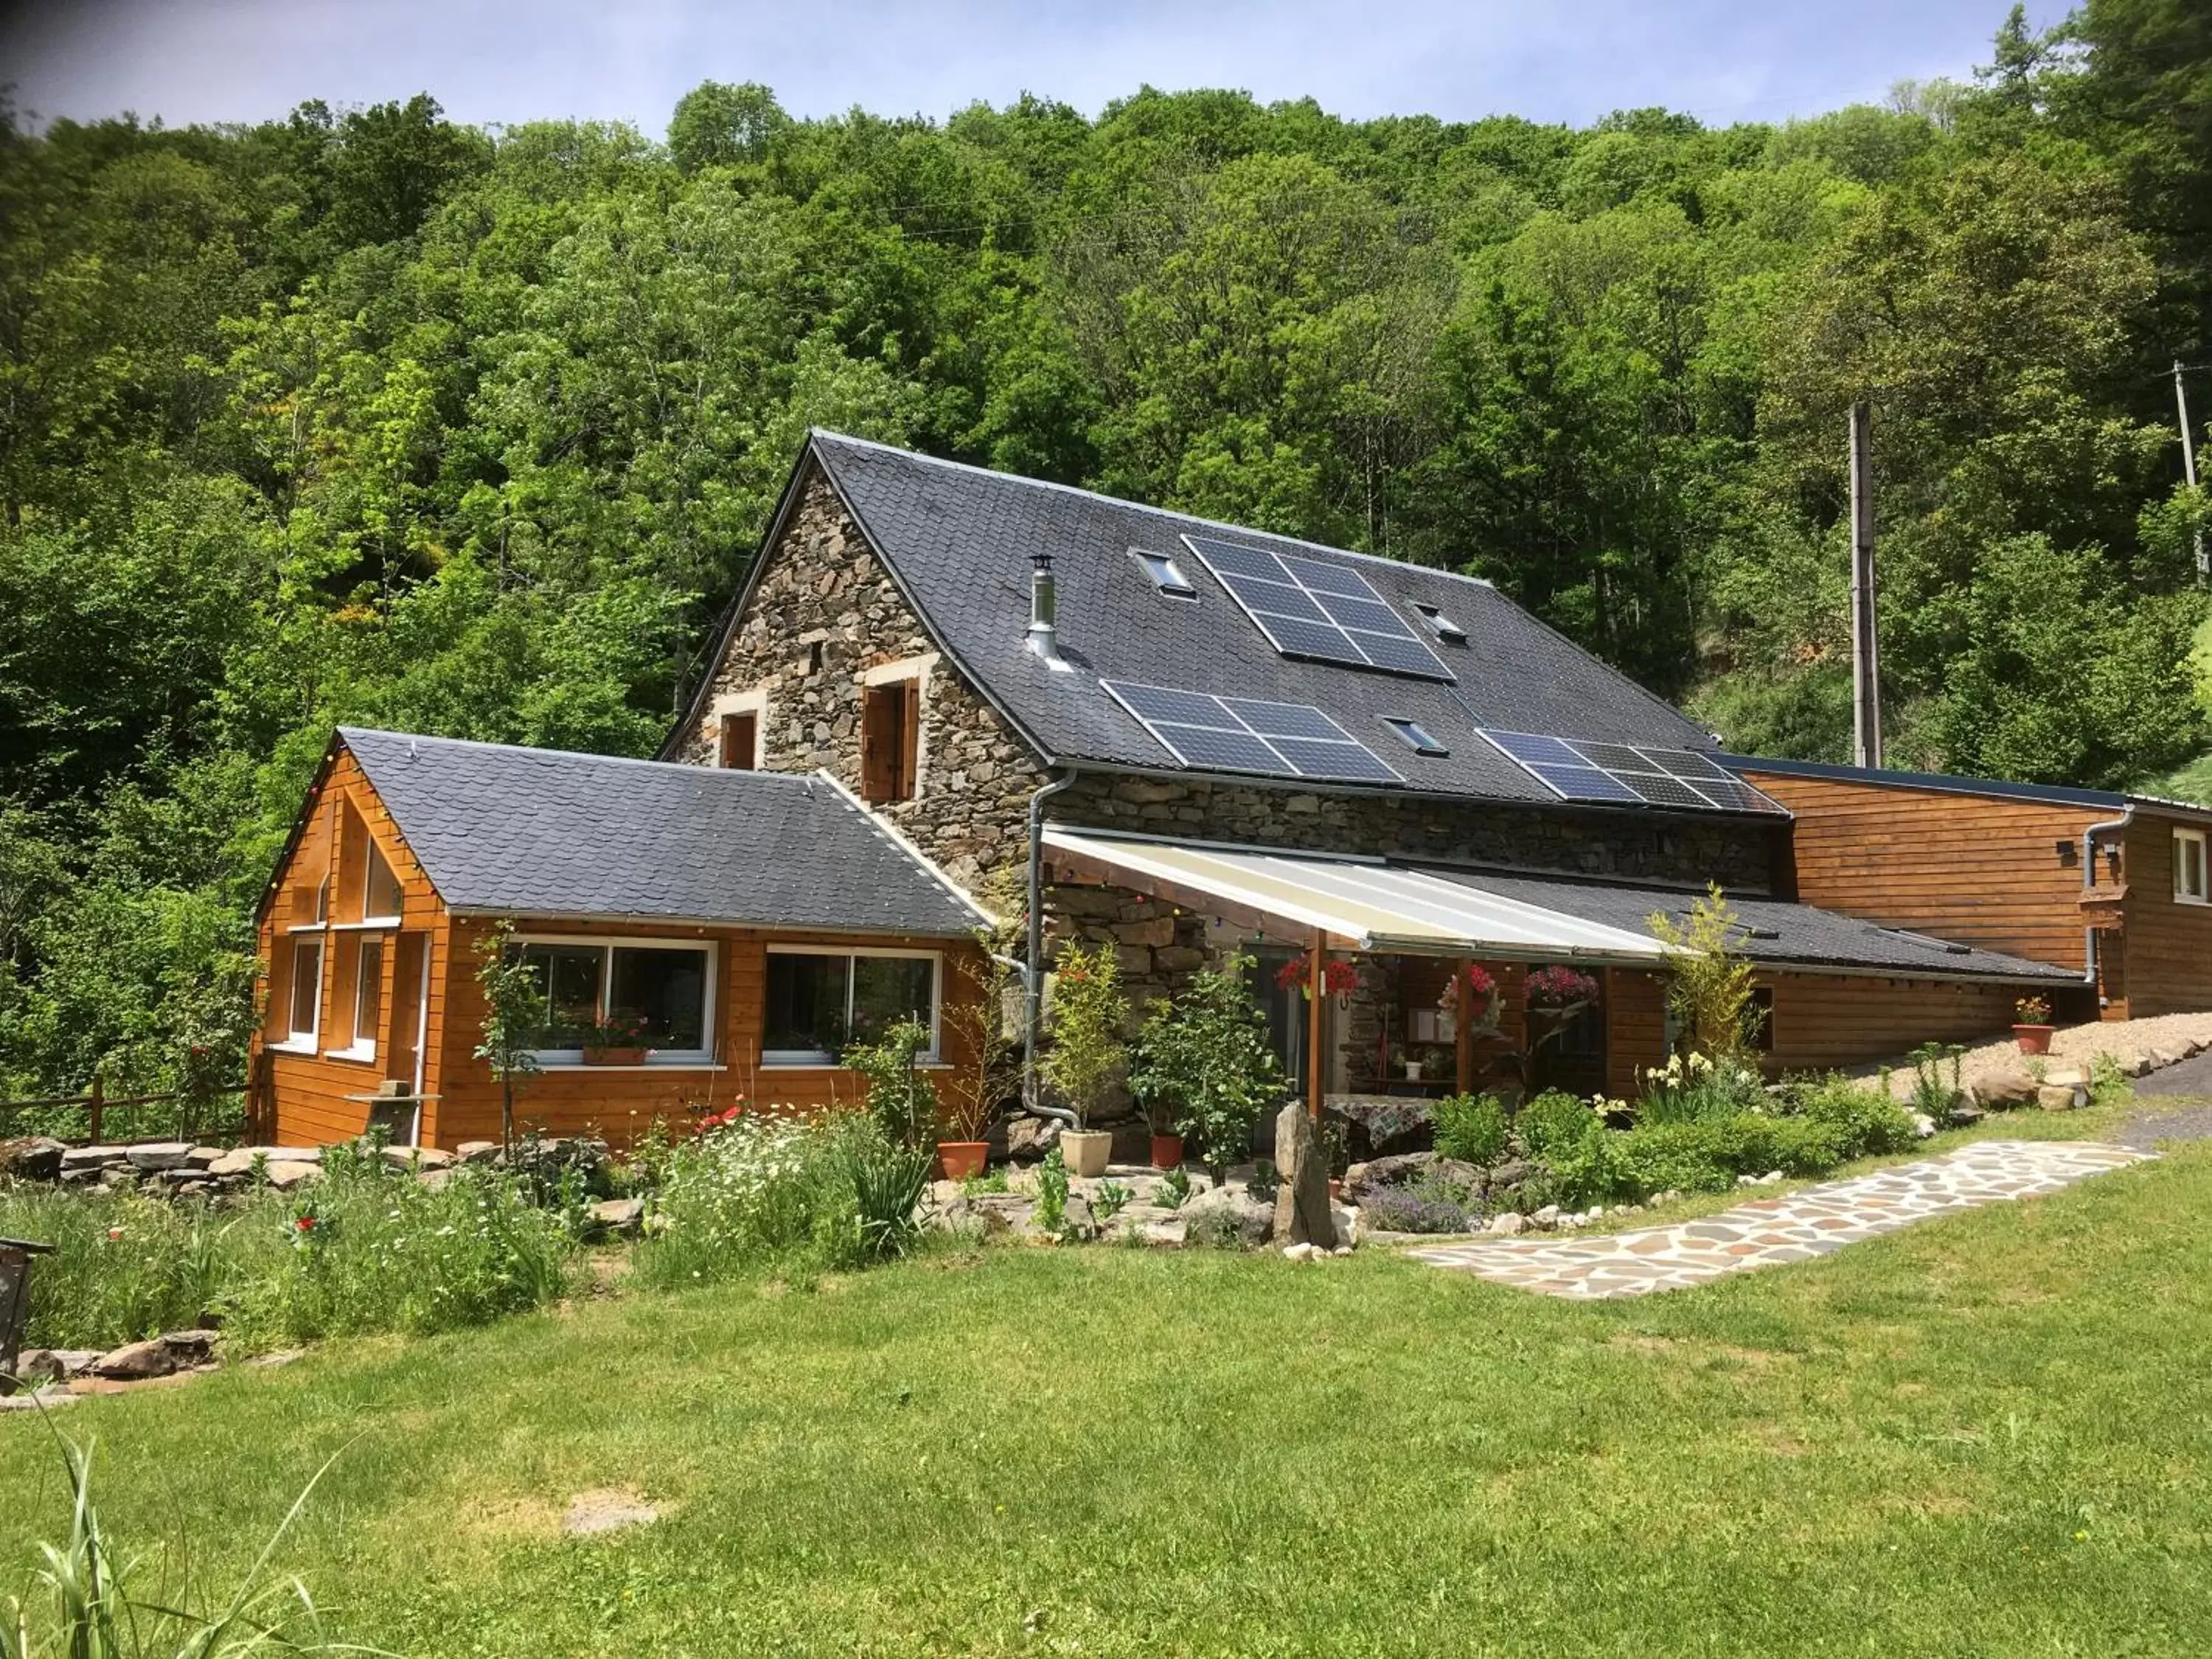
(1795, 1227)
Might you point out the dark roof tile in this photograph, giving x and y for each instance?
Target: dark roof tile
(543, 832)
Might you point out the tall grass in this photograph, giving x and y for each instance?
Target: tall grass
(368, 1247)
(86, 1603)
(771, 1193)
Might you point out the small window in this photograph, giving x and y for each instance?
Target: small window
(819, 1003)
(740, 742)
(890, 727)
(367, 998)
(1413, 735)
(306, 990)
(2189, 883)
(1165, 574)
(381, 898)
(1441, 625)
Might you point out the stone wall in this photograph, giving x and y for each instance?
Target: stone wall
(1559, 840)
(823, 587)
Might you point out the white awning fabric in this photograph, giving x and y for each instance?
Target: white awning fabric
(1371, 905)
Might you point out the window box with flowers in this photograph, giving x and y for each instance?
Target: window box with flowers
(2032, 1027)
(619, 1039)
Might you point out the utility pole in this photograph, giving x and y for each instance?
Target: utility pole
(1866, 641)
(2188, 456)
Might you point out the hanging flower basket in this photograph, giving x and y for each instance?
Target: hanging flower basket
(1560, 989)
(1337, 978)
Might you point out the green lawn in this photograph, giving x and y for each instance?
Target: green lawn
(1987, 1434)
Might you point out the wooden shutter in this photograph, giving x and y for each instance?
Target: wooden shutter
(909, 737)
(878, 744)
(740, 741)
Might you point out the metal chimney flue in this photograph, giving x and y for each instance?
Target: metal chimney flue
(1045, 616)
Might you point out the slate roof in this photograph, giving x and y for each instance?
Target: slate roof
(958, 540)
(543, 832)
(1780, 933)
(1953, 783)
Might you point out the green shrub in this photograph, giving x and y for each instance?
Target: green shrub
(769, 1193)
(367, 1247)
(1870, 1120)
(902, 1098)
(1470, 1129)
(1052, 1191)
(1691, 1087)
(126, 1265)
(1554, 1122)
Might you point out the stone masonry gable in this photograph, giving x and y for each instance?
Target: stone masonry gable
(822, 583)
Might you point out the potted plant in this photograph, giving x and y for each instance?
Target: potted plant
(1090, 1021)
(990, 1068)
(1206, 1053)
(619, 1039)
(2031, 1029)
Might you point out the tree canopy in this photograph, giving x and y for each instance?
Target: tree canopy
(368, 415)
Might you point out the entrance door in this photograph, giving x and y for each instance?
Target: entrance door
(1286, 1008)
(410, 1022)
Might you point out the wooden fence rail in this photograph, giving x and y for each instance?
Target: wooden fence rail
(98, 1103)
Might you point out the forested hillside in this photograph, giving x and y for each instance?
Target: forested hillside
(369, 417)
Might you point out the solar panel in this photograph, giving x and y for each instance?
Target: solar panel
(1576, 769)
(1247, 734)
(1311, 608)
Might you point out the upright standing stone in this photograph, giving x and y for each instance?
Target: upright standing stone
(1302, 1213)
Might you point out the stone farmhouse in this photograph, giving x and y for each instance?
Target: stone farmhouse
(1195, 741)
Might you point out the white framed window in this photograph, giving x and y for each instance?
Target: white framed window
(304, 1019)
(2190, 885)
(1164, 573)
(367, 998)
(659, 991)
(822, 999)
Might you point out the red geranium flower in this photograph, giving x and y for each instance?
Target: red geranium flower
(305, 1224)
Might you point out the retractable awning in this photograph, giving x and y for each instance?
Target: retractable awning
(1364, 904)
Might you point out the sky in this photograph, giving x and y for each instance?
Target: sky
(505, 61)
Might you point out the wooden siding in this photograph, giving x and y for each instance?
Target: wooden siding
(1823, 1021)
(621, 1103)
(1635, 1029)
(1972, 868)
(310, 1090)
(2163, 949)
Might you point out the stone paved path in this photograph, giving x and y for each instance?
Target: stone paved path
(1792, 1227)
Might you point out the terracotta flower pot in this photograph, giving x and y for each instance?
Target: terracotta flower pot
(1085, 1152)
(2034, 1039)
(1167, 1151)
(614, 1056)
(959, 1160)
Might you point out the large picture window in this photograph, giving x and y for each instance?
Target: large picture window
(821, 1001)
(653, 992)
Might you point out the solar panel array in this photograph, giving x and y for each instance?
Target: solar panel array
(1242, 734)
(1629, 774)
(1311, 608)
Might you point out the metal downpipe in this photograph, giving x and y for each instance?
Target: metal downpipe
(1033, 985)
(2090, 964)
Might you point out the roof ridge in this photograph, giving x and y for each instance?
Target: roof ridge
(352, 732)
(993, 472)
